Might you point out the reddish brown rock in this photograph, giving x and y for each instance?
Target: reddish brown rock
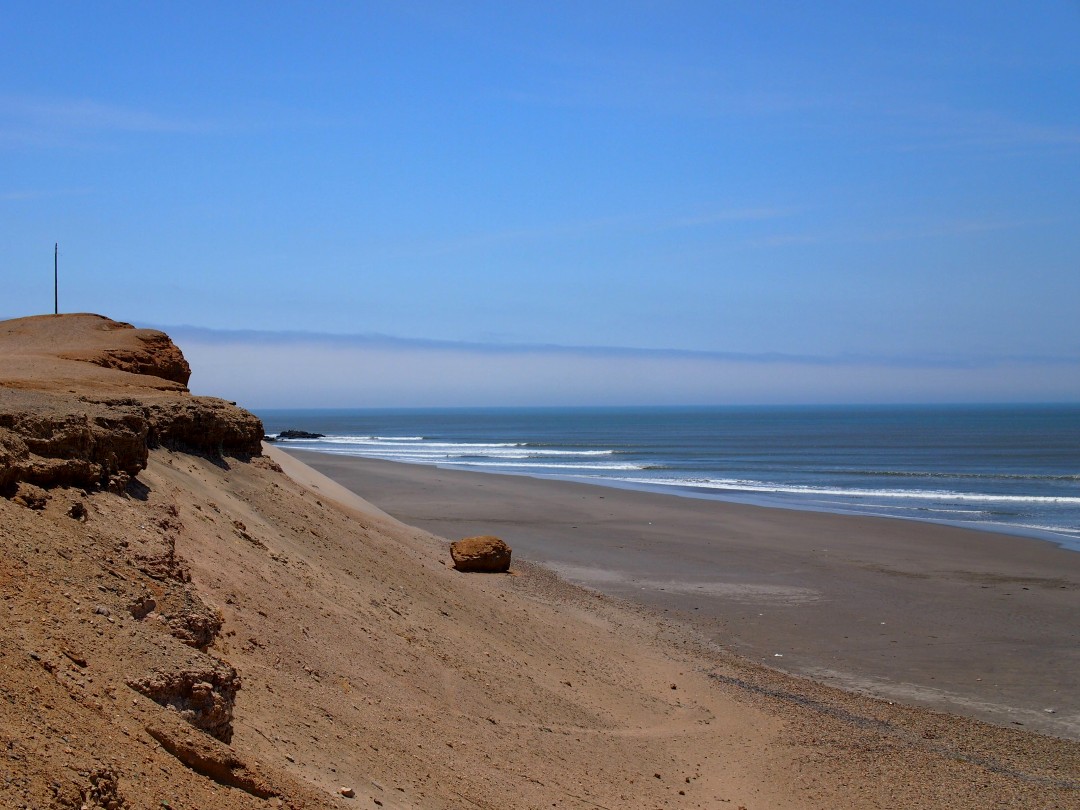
(59, 344)
(157, 356)
(203, 694)
(31, 497)
(204, 424)
(49, 440)
(195, 623)
(485, 554)
(64, 421)
(209, 757)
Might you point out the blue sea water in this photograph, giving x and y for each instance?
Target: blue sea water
(1013, 469)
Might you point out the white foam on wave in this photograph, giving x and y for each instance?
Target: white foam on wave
(521, 461)
(1064, 531)
(546, 466)
(367, 441)
(370, 446)
(740, 485)
(896, 507)
(466, 454)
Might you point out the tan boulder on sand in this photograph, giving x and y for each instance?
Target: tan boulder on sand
(486, 553)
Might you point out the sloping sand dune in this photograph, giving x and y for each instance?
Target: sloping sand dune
(302, 641)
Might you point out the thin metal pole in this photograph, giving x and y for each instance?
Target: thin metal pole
(56, 278)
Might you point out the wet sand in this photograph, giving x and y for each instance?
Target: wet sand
(974, 623)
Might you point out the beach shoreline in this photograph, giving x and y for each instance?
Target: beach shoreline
(969, 622)
(195, 615)
(1009, 470)
(1063, 542)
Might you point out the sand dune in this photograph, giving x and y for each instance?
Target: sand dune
(201, 629)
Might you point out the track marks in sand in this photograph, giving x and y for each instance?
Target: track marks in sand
(745, 592)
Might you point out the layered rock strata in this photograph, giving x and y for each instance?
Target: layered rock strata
(68, 430)
(50, 438)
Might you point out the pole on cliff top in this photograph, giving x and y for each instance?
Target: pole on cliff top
(56, 278)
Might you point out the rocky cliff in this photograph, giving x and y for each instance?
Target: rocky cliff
(55, 430)
(84, 402)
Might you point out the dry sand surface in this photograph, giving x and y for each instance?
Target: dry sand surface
(971, 622)
(216, 633)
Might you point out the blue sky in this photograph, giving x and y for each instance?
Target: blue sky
(474, 203)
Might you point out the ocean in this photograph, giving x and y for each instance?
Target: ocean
(1012, 469)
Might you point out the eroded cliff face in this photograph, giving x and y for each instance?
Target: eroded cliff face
(158, 356)
(64, 422)
(117, 687)
(48, 441)
(84, 401)
(66, 426)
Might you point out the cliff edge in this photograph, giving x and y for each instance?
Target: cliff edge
(84, 398)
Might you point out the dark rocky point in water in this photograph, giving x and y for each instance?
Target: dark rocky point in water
(299, 434)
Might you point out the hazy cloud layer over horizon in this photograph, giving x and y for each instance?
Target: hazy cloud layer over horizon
(283, 370)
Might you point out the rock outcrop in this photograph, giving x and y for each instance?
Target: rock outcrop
(483, 554)
(157, 357)
(206, 756)
(64, 422)
(57, 431)
(203, 695)
(298, 434)
(50, 441)
(206, 425)
(194, 623)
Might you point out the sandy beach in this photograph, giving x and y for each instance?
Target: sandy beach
(195, 619)
(973, 623)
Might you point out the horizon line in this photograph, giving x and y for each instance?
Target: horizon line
(384, 341)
